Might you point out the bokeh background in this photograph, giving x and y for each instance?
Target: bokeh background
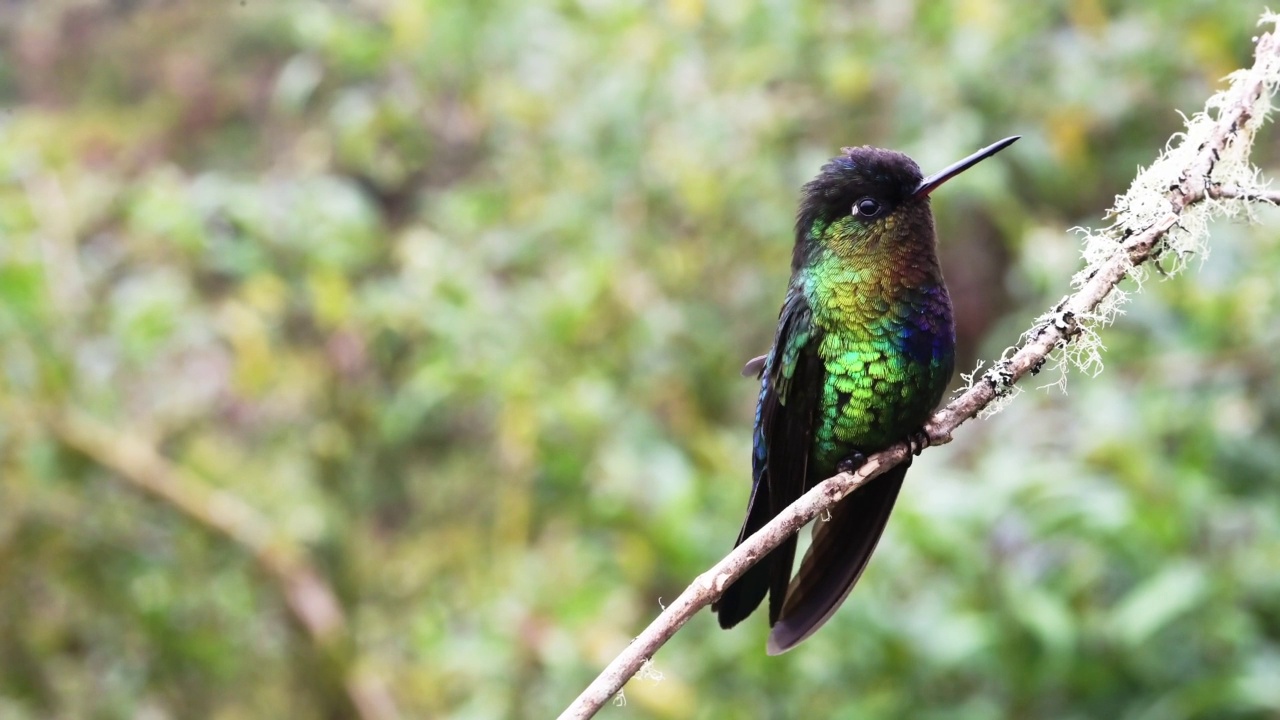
(442, 305)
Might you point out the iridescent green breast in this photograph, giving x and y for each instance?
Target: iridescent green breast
(887, 345)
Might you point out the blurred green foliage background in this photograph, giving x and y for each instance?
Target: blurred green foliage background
(455, 295)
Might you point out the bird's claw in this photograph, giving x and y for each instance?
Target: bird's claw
(851, 463)
(918, 441)
(754, 366)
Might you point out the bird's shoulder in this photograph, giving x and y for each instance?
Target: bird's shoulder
(798, 338)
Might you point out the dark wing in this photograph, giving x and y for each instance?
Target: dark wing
(790, 382)
(841, 548)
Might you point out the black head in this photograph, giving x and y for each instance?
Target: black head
(870, 183)
(866, 181)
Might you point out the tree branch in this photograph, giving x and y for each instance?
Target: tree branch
(305, 590)
(1266, 197)
(1211, 164)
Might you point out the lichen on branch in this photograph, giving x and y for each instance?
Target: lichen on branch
(1213, 151)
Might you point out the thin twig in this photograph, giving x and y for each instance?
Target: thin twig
(1061, 326)
(1267, 197)
(305, 591)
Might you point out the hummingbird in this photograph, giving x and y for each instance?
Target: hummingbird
(863, 352)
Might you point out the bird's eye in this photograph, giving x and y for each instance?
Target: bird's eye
(867, 207)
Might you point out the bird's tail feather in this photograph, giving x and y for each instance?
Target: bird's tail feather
(839, 553)
(772, 572)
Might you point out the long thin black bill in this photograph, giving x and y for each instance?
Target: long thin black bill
(932, 182)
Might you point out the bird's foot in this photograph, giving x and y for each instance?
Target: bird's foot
(851, 463)
(754, 366)
(918, 441)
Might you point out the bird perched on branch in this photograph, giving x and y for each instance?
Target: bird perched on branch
(864, 350)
